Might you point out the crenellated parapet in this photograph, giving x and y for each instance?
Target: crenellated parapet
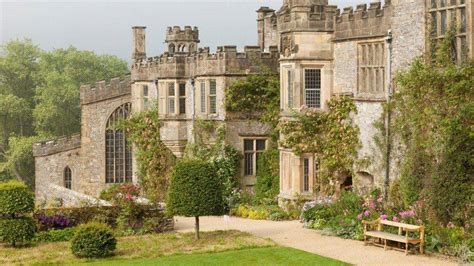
(188, 33)
(102, 91)
(62, 144)
(364, 22)
(226, 60)
(306, 15)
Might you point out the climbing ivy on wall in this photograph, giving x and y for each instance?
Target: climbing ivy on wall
(258, 94)
(433, 113)
(331, 136)
(153, 158)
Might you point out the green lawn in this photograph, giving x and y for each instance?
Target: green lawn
(254, 256)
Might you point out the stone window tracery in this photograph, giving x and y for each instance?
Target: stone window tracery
(203, 97)
(305, 175)
(67, 177)
(371, 68)
(252, 149)
(212, 97)
(443, 15)
(118, 152)
(182, 98)
(171, 98)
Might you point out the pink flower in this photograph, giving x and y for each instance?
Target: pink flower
(366, 213)
(407, 214)
(372, 204)
(380, 200)
(467, 226)
(395, 219)
(359, 217)
(383, 217)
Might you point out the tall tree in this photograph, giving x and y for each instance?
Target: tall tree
(62, 72)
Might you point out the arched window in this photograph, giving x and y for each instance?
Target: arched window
(67, 176)
(118, 152)
(171, 49)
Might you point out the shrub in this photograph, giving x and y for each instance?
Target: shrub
(93, 240)
(195, 190)
(16, 231)
(56, 221)
(55, 235)
(268, 178)
(15, 198)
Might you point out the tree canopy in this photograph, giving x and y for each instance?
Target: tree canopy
(39, 98)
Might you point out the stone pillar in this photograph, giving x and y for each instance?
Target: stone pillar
(139, 51)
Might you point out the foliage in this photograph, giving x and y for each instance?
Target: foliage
(263, 212)
(62, 71)
(195, 190)
(330, 136)
(93, 240)
(39, 98)
(55, 235)
(267, 186)
(14, 231)
(225, 158)
(433, 119)
(15, 198)
(56, 221)
(154, 159)
(257, 94)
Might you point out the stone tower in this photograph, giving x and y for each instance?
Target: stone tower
(139, 50)
(182, 41)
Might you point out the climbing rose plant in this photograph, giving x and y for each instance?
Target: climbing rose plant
(154, 159)
(330, 136)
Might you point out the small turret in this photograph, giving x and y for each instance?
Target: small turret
(182, 40)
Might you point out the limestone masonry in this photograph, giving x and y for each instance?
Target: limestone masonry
(320, 51)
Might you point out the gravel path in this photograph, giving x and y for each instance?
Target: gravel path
(292, 234)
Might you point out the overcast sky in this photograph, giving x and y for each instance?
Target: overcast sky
(105, 26)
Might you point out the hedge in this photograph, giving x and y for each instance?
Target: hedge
(93, 240)
(15, 198)
(16, 231)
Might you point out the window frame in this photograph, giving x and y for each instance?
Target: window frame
(253, 154)
(182, 98)
(212, 97)
(171, 97)
(67, 177)
(202, 87)
(118, 151)
(316, 90)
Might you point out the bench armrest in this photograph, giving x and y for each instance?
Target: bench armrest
(371, 222)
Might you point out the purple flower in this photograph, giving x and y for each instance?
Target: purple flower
(366, 213)
(372, 204)
(383, 217)
(407, 214)
(395, 219)
(359, 217)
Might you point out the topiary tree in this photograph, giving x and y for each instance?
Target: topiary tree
(16, 205)
(93, 240)
(195, 190)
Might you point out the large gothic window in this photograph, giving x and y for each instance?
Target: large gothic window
(118, 152)
(67, 177)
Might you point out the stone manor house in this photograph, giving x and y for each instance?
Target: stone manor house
(320, 51)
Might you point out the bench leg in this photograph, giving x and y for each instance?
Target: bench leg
(385, 244)
(406, 249)
(421, 248)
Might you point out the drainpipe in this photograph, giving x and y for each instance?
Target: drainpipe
(193, 103)
(388, 40)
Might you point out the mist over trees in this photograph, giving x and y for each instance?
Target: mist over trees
(39, 98)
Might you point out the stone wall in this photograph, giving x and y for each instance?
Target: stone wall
(93, 126)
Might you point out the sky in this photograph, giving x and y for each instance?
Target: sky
(105, 26)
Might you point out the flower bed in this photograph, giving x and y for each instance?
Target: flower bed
(264, 212)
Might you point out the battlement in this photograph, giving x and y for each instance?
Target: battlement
(189, 34)
(314, 15)
(61, 144)
(103, 91)
(363, 22)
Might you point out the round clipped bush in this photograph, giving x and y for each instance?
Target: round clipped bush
(93, 240)
(16, 231)
(15, 198)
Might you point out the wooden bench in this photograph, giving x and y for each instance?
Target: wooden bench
(374, 229)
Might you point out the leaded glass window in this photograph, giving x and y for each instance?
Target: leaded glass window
(212, 97)
(118, 151)
(67, 177)
(312, 88)
(252, 149)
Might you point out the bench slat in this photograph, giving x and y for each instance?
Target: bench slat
(402, 225)
(390, 236)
